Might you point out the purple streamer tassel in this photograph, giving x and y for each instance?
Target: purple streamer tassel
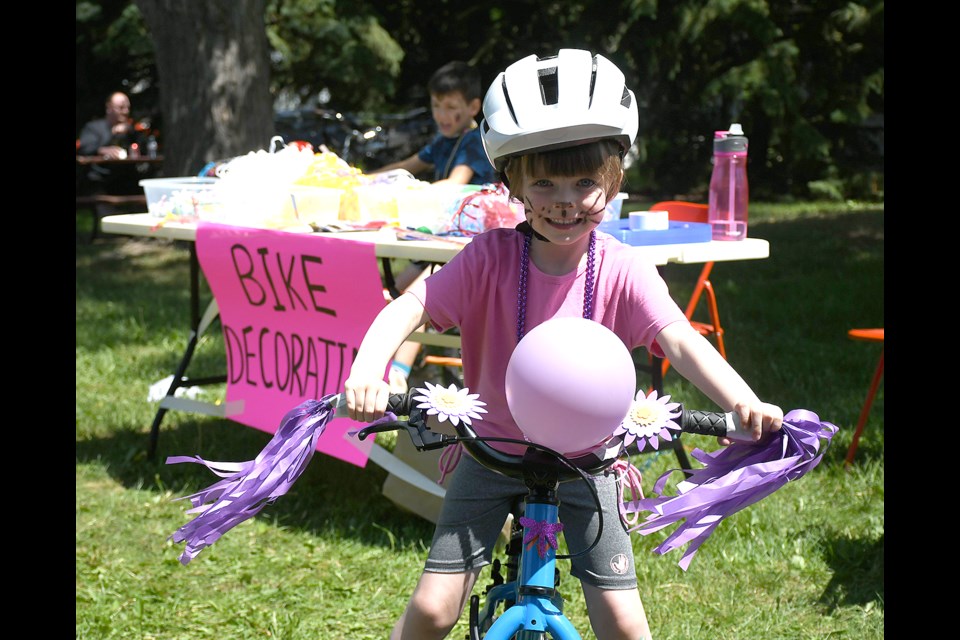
(732, 478)
(249, 486)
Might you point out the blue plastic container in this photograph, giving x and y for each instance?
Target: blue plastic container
(678, 233)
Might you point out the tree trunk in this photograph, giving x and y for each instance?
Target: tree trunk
(214, 72)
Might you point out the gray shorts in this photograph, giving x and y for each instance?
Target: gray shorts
(477, 503)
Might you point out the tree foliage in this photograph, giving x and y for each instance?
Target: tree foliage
(114, 52)
(804, 78)
(319, 45)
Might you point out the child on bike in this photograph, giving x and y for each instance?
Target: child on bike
(455, 156)
(557, 130)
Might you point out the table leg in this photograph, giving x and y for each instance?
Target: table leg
(198, 325)
(389, 282)
(194, 287)
(174, 385)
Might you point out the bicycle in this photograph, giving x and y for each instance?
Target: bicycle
(368, 141)
(526, 605)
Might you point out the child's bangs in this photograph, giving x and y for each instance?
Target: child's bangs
(584, 159)
(600, 158)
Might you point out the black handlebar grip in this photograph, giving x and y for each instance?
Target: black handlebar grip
(714, 423)
(705, 423)
(400, 404)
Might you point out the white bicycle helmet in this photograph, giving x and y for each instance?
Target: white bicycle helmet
(557, 101)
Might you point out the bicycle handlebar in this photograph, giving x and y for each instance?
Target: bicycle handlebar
(709, 423)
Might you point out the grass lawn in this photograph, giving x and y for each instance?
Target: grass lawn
(334, 559)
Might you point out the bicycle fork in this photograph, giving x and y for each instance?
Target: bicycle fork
(538, 608)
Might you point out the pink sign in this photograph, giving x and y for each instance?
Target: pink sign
(294, 308)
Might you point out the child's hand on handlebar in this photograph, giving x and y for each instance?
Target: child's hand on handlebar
(757, 418)
(366, 398)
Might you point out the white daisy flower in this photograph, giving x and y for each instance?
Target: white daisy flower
(450, 402)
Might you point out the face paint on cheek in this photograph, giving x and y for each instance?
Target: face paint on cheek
(593, 215)
(595, 208)
(591, 212)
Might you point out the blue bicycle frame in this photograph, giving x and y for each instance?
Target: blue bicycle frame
(538, 607)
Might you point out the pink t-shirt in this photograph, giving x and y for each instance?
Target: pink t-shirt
(477, 291)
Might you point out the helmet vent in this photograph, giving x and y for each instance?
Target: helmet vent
(506, 95)
(625, 98)
(593, 80)
(549, 89)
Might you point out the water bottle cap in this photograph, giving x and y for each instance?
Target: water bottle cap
(733, 144)
(732, 141)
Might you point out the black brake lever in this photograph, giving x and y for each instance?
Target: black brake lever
(380, 427)
(422, 437)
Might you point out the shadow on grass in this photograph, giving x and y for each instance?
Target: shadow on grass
(131, 290)
(331, 497)
(857, 566)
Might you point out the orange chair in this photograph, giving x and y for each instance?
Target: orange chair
(869, 335)
(451, 368)
(681, 211)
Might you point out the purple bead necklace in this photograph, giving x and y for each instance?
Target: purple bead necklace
(524, 271)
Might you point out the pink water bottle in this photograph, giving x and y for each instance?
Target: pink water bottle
(728, 199)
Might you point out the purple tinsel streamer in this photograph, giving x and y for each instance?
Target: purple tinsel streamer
(732, 478)
(249, 486)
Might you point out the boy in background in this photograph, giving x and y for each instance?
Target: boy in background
(455, 156)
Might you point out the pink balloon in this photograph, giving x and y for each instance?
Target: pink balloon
(569, 384)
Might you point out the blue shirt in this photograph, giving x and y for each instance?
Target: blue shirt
(446, 153)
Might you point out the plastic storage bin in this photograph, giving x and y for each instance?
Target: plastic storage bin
(678, 233)
(315, 205)
(184, 197)
(367, 203)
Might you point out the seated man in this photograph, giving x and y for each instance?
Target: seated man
(112, 137)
